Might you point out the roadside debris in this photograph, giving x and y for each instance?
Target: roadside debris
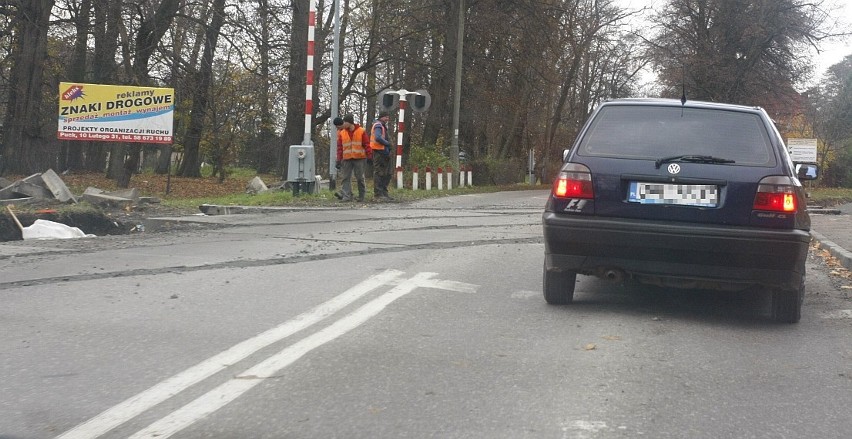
(45, 229)
(256, 186)
(42, 191)
(41, 186)
(123, 199)
(48, 186)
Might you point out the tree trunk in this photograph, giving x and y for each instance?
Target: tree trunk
(265, 154)
(116, 162)
(372, 54)
(150, 33)
(71, 156)
(295, 128)
(149, 36)
(105, 35)
(191, 166)
(442, 84)
(181, 41)
(23, 151)
(130, 166)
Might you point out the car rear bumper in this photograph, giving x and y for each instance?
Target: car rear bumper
(660, 252)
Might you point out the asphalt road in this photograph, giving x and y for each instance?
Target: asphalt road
(394, 321)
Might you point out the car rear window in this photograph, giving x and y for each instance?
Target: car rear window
(653, 132)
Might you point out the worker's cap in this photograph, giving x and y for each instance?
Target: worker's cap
(349, 118)
(337, 121)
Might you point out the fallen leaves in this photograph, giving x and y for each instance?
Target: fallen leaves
(155, 185)
(836, 268)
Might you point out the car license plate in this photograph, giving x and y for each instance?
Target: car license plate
(703, 195)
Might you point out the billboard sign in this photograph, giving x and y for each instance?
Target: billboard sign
(802, 150)
(115, 113)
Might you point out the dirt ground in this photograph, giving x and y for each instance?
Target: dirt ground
(115, 220)
(91, 220)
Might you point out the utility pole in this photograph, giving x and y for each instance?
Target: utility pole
(454, 146)
(335, 86)
(309, 83)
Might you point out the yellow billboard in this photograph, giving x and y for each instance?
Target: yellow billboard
(115, 113)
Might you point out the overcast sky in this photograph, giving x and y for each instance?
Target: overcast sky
(832, 52)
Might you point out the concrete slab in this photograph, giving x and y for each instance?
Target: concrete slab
(98, 197)
(55, 184)
(209, 209)
(26, 188)
(34, 179)
(130, 194)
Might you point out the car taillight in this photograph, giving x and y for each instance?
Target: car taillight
(776, 194)
(575, 181)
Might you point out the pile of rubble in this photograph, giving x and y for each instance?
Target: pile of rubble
(41, 221)
(48, 186)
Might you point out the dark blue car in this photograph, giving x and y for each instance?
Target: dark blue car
(680, 194)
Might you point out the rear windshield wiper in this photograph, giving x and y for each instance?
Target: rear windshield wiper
(692, 159)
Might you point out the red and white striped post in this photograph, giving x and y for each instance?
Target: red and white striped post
(428, 178)
(440, 179)
(469, 175)
(422, 101)
(461, 176)
(309, 87)
(449, 178)
(400, 130)
(415, 176)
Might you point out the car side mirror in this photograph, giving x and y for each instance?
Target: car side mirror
(807, 171)
(565, 153)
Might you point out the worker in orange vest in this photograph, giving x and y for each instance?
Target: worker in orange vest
(353, 151)
(381, 149)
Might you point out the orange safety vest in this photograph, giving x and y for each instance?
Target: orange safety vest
(375, 145)
(353, 148)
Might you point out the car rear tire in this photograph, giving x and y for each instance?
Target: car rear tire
(559, 286)
(787, 304)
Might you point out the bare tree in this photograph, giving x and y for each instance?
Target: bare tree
(22, 127)
(266, 136)
(71, 154)
(191, 166)
(296, 84)
(831, 112)
(531, 71)
(738, 51)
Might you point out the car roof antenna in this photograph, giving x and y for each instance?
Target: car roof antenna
(682, 85)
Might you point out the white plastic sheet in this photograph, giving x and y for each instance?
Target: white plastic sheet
(44, 229)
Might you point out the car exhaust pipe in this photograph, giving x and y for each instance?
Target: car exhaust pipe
(614, 275)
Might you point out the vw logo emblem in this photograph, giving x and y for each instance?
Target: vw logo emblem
(674, 168)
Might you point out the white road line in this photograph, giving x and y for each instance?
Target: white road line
(164, 390)
(581, 429)
(233, 388)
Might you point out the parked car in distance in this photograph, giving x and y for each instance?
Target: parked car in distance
(681, 194)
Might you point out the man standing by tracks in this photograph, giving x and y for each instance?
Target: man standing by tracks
(381, 148)
(353, 151)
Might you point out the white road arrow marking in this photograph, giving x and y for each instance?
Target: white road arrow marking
(233, 388)
(138, 404)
